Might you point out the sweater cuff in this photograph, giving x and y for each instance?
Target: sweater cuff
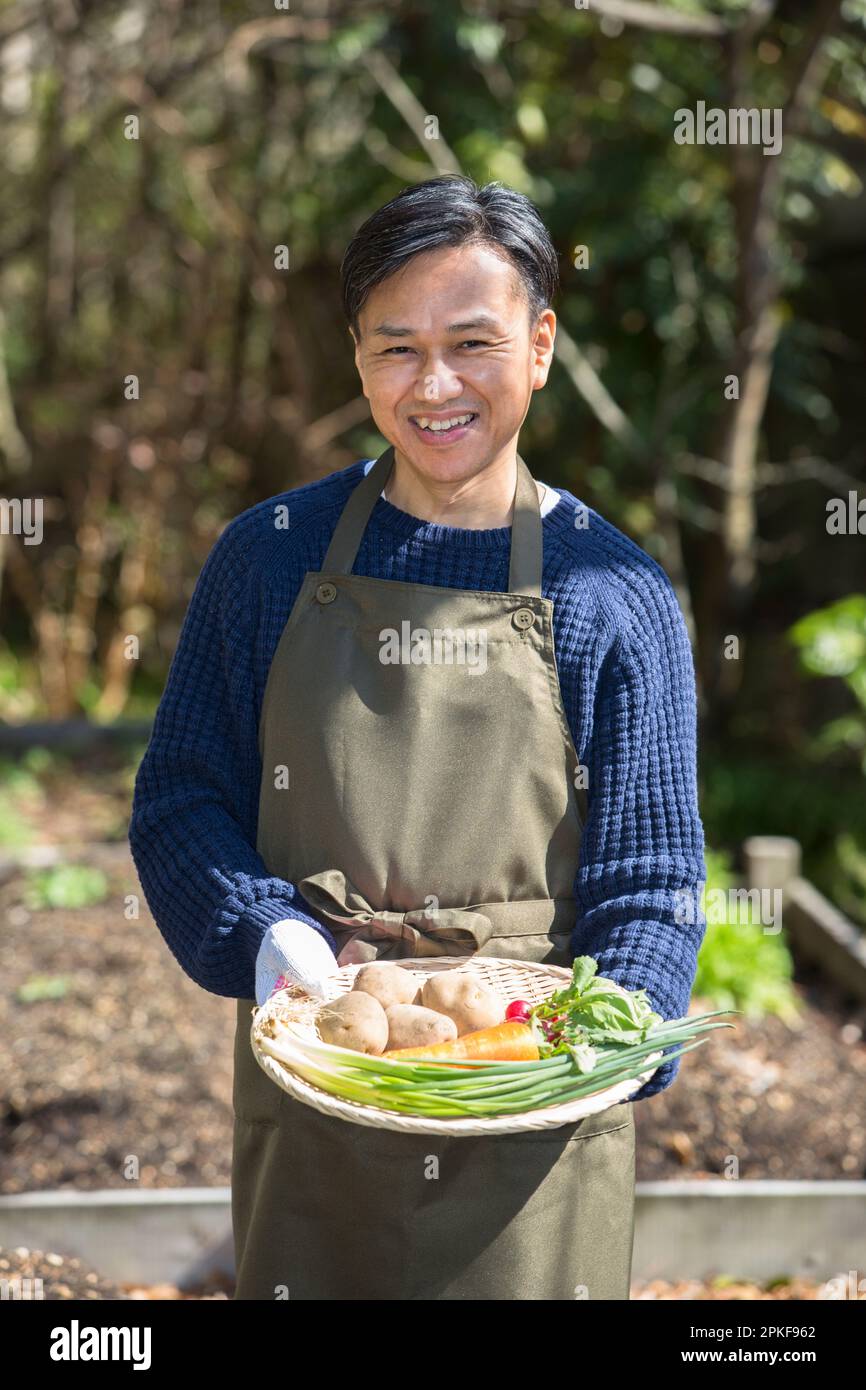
(668, 1004)
(668, 996)
(259, 916)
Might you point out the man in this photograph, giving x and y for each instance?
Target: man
(299, 781)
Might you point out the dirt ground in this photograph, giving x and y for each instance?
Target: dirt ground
(68, 1279)
(126, 1076)
(785, 1101)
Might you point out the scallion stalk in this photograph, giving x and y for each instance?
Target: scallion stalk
(433, 1089)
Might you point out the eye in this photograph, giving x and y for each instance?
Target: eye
(467, 342)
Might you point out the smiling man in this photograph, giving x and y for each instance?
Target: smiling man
(304, 797)
(449, 388)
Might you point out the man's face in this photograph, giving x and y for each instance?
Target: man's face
(446, 336)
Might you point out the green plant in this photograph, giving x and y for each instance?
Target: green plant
(39, 760)
(740, 965)
(15, 833)
(832, 642)
(19, 779)
(849, 883)
(20, 790)
(40, 987)
(824, 810)
(67, 886)
(18, 700)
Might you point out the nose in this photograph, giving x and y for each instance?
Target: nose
(437, 382)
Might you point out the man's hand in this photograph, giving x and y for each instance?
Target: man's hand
(293, 953)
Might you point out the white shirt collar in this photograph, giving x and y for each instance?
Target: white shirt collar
(548, 502)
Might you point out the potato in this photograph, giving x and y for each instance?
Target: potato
(411, 1026)
(388, 983)
(354, 1020)
(467, 1001)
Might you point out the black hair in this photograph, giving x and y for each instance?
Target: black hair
(450, 210)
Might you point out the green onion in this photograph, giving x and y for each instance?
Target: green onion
(434, 1090)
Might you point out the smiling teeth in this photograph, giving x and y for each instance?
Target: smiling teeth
(437, 425)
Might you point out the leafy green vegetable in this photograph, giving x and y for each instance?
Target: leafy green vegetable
(741, 966)
(590, 1011)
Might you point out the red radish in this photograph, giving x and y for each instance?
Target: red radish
(519, 1009)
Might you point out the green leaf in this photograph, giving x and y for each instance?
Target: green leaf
(66, 886)
(585, 1057)
(481, 37)
(582, 971)
(15, 833)
(40, 987)
(531, 122)
(832, 640)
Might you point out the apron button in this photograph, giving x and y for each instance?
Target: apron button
(523, 618)
(326, 593)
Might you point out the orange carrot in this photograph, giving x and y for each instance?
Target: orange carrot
(504, 1042)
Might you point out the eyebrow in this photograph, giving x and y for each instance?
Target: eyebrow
(391, 330)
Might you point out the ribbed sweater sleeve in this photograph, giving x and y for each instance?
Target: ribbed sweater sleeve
(643, 845)
(194, 816)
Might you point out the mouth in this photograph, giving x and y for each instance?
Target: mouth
(443, 429)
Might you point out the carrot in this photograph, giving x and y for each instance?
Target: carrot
(511, 1041)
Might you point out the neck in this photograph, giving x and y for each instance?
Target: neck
(484, 500)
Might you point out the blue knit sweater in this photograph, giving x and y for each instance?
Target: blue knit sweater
(625, 667)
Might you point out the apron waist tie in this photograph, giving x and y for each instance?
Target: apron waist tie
(387, 935)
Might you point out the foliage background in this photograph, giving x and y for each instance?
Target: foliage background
(259, 127)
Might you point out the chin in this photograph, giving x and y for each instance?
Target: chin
(444, 461)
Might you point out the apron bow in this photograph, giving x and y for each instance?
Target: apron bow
(386, 935)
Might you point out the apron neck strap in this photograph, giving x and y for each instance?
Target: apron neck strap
(524, 574)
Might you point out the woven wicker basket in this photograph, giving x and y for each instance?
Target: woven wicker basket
(294, 1011)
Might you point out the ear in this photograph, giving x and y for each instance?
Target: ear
(543, 338)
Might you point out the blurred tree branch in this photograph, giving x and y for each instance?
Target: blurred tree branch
(660, 19)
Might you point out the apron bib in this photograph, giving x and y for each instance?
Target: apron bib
(418, 787)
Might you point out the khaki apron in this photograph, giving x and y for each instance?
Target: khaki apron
(431, 809)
